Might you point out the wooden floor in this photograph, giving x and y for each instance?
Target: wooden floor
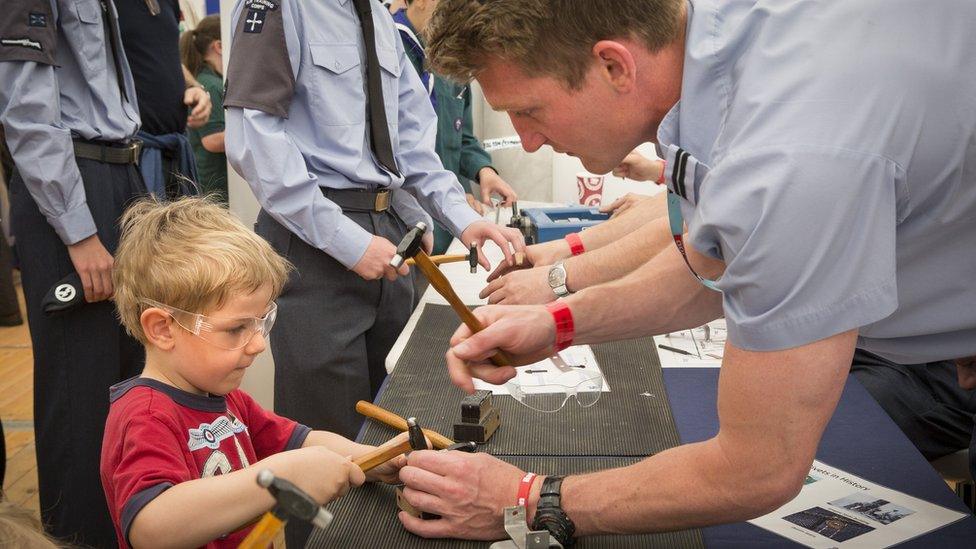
(16, 409)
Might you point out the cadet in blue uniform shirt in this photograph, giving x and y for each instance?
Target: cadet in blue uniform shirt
(297, 129)
(457, 146)
(823, 155)
(68, 104)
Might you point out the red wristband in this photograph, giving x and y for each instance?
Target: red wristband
(575, 243)
(524, 488)
(664, 166)
(564, 323)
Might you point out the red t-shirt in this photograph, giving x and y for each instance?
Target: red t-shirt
(158, 436)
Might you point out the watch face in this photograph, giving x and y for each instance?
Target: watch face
(557, 277)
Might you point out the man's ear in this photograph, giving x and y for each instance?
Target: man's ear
(159, 328)
(617, 64)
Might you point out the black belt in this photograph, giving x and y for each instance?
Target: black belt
(356, 200)
(112, 153)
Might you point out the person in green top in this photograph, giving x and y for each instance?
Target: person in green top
(201, 51)
(458, 148)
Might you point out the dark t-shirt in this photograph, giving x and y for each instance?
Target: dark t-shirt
(211, 167)
(152, 47)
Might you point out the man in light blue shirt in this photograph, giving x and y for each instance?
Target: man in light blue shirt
(68, 104)
(299, 129)
(823, 155)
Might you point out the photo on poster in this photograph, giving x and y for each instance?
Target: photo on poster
(873, 508)
(829, 524)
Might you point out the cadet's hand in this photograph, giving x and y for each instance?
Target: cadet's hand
(468, 491)
(966, 371)
(375, 263)
(94, 265)
(525, 332)
(536, 255)
(475, 205)
(521, 287)
(506, 238)
(199, 101)
(639, 168)
(492, 183)
(320, 472)
(427, 242)
(622, 204)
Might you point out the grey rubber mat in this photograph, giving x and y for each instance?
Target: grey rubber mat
(633, 419)
(367, 516)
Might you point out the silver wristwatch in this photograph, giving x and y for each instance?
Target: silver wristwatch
(557, 280)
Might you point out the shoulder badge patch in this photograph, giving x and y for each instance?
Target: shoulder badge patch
(254, 23)
(23, 43)
(262, 5)
(37, 20)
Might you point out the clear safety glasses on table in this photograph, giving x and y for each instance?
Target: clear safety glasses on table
(584, 387)
(224, 332)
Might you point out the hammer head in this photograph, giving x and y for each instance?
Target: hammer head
(409, 246)
(416, 435)
(473, 258)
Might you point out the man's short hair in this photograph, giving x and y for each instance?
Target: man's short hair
(191, 254)
(545, 37)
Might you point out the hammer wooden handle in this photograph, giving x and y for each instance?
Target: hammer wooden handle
(381, 455)
(387, 417)
(441, 259)
(443, 287)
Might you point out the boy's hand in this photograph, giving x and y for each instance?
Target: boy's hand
(322, 473)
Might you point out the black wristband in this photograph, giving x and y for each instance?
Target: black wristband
(549, 514)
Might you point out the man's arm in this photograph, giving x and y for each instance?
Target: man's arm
(772, 407)
(613, 261)
(30, 111)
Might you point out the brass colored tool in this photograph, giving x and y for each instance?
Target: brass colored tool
(387, 417)
(410, 247)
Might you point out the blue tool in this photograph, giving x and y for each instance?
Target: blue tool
(545, 224)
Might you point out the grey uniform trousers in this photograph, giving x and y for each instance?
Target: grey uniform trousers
(925, 400)
(78, 355)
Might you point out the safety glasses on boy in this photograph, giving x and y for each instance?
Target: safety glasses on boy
(224, 332)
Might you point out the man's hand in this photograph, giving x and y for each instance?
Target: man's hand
(375, 263)
(521, 287)
(966, 371)
(622, 204)
(506, 238)
(639, 168)
(536, 255)
(492, 183)
(199, 102)
(468, 491)
(525, 333)
(94, 265)
(389, 472)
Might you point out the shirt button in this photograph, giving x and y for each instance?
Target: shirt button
(338, 65)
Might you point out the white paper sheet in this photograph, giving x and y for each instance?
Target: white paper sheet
(836, 509)
(545, 376)
(703, 346)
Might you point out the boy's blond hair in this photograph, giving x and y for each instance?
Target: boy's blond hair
(191, 254)
(542, 37)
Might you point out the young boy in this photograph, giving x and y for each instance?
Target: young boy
(183, 445)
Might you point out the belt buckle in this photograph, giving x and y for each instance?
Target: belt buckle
(135, 146)
(382, 201)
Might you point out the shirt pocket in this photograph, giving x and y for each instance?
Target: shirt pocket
(89, 39)
(338, 92)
